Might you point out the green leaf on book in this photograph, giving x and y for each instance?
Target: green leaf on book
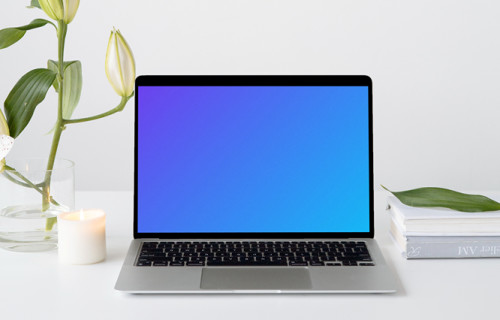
(445, 198)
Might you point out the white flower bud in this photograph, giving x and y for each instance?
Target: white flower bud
(120, 65)
(6, 141)
(60, 9)
(4, 127)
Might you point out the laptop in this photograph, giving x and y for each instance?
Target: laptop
(254, 184)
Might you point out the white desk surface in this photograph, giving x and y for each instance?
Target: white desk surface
(36, 286)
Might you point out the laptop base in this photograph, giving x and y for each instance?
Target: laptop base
(256, 280)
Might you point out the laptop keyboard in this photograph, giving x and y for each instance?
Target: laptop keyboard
(254, 253)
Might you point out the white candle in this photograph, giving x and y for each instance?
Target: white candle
(82, 236)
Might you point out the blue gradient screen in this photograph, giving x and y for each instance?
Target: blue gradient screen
(218, 159)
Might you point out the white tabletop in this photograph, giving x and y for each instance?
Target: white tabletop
(36, 286)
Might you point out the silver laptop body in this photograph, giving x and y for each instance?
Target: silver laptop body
(180, 123)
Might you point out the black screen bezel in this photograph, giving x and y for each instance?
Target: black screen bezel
(255, 80)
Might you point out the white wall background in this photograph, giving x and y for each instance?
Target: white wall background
(435, 67)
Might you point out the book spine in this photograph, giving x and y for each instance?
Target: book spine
(461, 249)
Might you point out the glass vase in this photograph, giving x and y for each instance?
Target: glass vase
(31, 198)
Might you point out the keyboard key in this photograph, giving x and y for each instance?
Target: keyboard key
(332, 264)
(349, 263)
(364, 257)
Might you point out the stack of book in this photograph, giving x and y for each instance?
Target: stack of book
(443, 233)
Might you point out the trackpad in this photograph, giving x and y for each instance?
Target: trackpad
(255, 278)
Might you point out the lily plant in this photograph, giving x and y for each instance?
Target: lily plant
(66, 78)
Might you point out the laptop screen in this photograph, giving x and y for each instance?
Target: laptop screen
(253, 158)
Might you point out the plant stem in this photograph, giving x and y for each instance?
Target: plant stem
(27, 183)
(118, 108)
(61, 37)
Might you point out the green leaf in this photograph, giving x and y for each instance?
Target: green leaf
(52, 65)
(9, 36)
(34, 4)
(22, 100)
(72, 84)
(445, 198)
(72, 88)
